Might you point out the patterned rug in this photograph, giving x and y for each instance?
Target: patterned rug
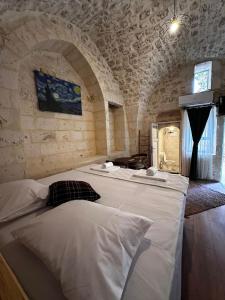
(201, 197)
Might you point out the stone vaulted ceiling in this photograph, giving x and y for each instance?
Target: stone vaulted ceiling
(127, 32)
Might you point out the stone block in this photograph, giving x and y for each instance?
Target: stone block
(32, 150)
(79, 125)
(49, 149)
(77, 135)
(11, 137)
(26, 37)
(11, 154)
(43, 136)
(65, 124)
(63, 136)
(47, 124)
(26, 107)
(8, 78)
(27, 122)
(5, 98)
(12, 172)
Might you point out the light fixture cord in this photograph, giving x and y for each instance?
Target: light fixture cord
(174, 8)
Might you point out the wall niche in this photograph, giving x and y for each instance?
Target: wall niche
(116, 128)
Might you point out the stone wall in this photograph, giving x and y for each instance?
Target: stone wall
(166, 96)
(117, 129)
(131, 36)
(62, 138)
(112, 130)
(34, 143)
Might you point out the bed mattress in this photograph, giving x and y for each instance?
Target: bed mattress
(156, 271)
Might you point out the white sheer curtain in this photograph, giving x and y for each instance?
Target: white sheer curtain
(187, 144)
(206, 147)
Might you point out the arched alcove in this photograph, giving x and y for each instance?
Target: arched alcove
(44, 36)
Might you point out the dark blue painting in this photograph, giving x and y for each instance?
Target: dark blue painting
(57, 95)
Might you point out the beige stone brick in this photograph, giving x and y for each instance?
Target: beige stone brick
(27, 122)
(47, 124)
(79, 125)
(26, 37)
(49, 149)
(32, 150)
(66, 147)
(8, 78)
(66, 124)
(83, 145)
(5, 98)
(89, 126)
(43, 136)
(26, 107)
(88, 116)
(11, 137)
(63, 136)
(9, 118)
(12, 172)
(77, 135)
(89, 135)
(11, 154)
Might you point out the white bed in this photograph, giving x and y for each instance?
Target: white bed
(156, 272)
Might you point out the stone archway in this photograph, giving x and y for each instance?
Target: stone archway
(42, 33)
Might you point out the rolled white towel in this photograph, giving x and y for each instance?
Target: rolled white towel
(151, 171)
(107, 165)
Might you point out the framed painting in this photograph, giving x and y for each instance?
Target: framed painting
(57, 95)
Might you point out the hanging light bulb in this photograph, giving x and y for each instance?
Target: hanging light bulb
(174, 25)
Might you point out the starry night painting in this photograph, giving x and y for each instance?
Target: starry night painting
(57, 95)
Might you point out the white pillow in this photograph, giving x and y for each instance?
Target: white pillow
(87, 246)
(20, 197)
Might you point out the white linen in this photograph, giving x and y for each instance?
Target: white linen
(154, 269)
(159, 176)
(20, 197)
(87, 246)
(107, 170)
(6, 228)
(107, 165)
(174, 181)
(157, 271)
(151, 171)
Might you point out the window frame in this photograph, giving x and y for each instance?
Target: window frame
(200, 68)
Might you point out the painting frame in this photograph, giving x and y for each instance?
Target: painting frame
(57, 95)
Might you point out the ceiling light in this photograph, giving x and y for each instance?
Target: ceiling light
(174, 25)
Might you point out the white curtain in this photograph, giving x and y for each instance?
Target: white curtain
(206, 147)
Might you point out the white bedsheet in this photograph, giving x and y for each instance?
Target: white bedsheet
(153, 275)
(7, 227)
(174, 181)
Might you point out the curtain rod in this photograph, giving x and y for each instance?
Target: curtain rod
(200, 106)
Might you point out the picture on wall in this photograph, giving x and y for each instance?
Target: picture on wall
(57, 95)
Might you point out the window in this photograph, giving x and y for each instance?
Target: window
(203, 77)
(207, 144)
(206, 147)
